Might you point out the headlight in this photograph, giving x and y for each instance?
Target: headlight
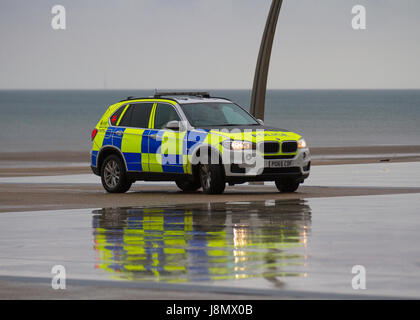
(238, 145)
(302, 144)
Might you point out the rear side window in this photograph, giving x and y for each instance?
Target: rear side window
(116, 115)
(137, 115)
(125, 121)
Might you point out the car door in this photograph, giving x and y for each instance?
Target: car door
(165, 145)
(132, 135)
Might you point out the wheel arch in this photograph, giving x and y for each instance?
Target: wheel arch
(107, 151)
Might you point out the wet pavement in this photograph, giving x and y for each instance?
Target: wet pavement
(387, 174)
(299, 247)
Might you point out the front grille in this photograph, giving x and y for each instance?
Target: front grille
(269, 147)
(289, 147)
(281, 156)
(281, 170)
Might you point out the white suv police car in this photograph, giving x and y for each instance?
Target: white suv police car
(196, 140)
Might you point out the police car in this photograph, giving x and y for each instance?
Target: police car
(196, 140)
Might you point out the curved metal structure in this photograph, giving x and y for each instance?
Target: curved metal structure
(261, 71)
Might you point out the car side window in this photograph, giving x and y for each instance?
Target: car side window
(137, 115)
(116, 115)
(126, 119)
(164, 114)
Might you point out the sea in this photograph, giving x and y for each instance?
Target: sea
(58, 120)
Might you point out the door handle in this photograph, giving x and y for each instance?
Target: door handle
(153, 136)
(119, 133)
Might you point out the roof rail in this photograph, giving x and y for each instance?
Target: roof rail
(134, 98)
(186, 93)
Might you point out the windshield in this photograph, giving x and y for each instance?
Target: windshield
(217, 114)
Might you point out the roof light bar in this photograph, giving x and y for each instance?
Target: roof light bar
(187, 93)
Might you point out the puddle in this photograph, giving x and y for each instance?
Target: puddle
(203, 242)
(307, 246)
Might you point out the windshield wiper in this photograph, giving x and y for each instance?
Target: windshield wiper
(236, 125)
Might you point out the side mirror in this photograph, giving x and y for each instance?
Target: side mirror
(260, 122)
(173, 125)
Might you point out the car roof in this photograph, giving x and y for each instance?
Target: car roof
(187, 100)
(183, 97)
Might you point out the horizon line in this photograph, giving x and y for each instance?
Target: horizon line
(201, 89)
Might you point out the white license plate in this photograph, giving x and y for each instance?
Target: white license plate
(279, 163)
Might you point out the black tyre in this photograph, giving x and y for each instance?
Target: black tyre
(212, 179)
(287, 185)
(188, 186)
(113, 175)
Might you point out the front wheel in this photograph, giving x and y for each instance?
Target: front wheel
(287, 186)
(113, 175)
(212, 178)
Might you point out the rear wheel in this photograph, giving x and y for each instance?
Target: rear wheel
(188, 186)
(211, 178)
(287, 185)
(113, 175)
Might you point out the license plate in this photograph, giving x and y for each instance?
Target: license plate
(279, 163)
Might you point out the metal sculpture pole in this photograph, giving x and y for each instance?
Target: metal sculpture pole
(261, 71)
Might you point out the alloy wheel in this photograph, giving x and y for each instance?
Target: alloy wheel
(112, 174)
(205, 176)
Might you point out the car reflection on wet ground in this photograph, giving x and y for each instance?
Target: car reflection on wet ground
(283, 248)
(216, 241)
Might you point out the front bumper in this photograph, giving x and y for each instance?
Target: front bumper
(298, 168)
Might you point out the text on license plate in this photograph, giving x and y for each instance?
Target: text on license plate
(279, 163)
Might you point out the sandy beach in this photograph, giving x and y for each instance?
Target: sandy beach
(15, 164)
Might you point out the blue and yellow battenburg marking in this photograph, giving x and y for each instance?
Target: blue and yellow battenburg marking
(149, 149)
(167, 152)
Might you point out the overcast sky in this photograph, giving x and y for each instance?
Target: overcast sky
(147, 44)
